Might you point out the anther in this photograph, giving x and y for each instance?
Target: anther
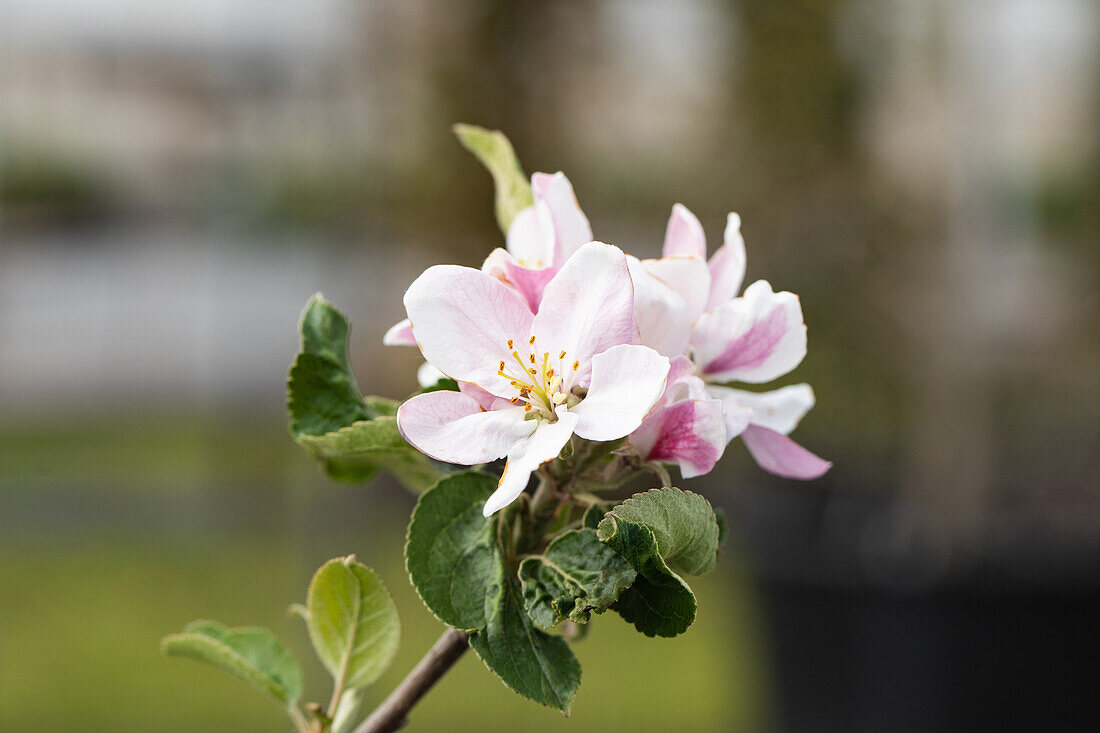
(532, 358)
(527, 407)
(533, 372)
(532, 341)
(550, 372)
(501, 367)
(576, 365)
(561, 355)
(511, 344)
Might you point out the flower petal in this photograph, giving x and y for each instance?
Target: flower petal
(452, 427)
(689, 433)
(626, 383)
(529, 283)
(587, 308)
(755, 338)
(689, 277)
(530, 238)
(779, 410)
(778, 454)
(544, 444)
(684, 235)
(427, 375)
(727, 265)
(570, 226)
(463, 319)
(400, 334)
(662, 317)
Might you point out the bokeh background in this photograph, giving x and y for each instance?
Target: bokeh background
(176, 179)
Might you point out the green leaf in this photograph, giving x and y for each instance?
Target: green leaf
(576, 575)
(352, 622)
(682, 522)
(249, 653)
(491, 147)
(531, 662)
(450, 552)
(658, 531)
(592, 516)
(351, 436)
(356, 453)
(322, 395)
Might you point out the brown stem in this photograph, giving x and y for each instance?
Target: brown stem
(392, 713)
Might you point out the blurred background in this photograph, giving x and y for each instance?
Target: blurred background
(176, 179)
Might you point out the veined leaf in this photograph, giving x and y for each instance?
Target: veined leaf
(531, 662)
(576, 576)
(491, 147)
(450, 551)
(657, 531)
(359, 451)
(352, 622)
(248, 653)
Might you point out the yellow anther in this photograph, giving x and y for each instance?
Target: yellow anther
(532, 341)
(511, 344)
(550, 372)
(576, 365)
(501, 367)
(533, 372)
(527, 407)
(562, 354)
(532, 358)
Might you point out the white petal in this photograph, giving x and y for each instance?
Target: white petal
(778, 454)
(727, 265)
(688, 277)
(662, 317)
(427, 375)
(463, 319)
(755, 338)
(452, 427)
(737, 415)
(531, 236)
(684, 235)
(543, 445)
(400, 334)
(570, 226)
(689, 433)
(626, 383)
(587, 308)
(779, 410)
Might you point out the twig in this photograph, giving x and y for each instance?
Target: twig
(391, 714)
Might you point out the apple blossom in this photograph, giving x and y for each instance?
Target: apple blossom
(530, 381)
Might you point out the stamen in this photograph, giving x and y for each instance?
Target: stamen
(532, 341)
(501, 367)
(532, 358)
(576, 365)
(527, 407)
(511, 344)
(562, 354)
(550, 373)
(533, 372)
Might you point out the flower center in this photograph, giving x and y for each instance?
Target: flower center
(539, 381)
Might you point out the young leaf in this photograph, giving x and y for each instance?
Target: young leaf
(352, 622)
(322, 395)
(450, 552)
(657, 531)
(683, 524)
(352, 437)
(491, 147)
(535, 664)
(356, 453)
(248, 653)
(576, 575)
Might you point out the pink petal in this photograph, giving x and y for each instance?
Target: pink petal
(400, 334)
(684, 235)
(690, 278)
(778, 454)
(544, 444)
(586, 309)
(452, 427)
(755, 338)
(727, 265)
(662, 317)
(529, 283)
(779, 410)
(530, 238)
(570, 225)
(689, 433)
(463, 319)
(626, 383)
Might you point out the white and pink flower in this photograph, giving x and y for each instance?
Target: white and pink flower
(529, 380)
